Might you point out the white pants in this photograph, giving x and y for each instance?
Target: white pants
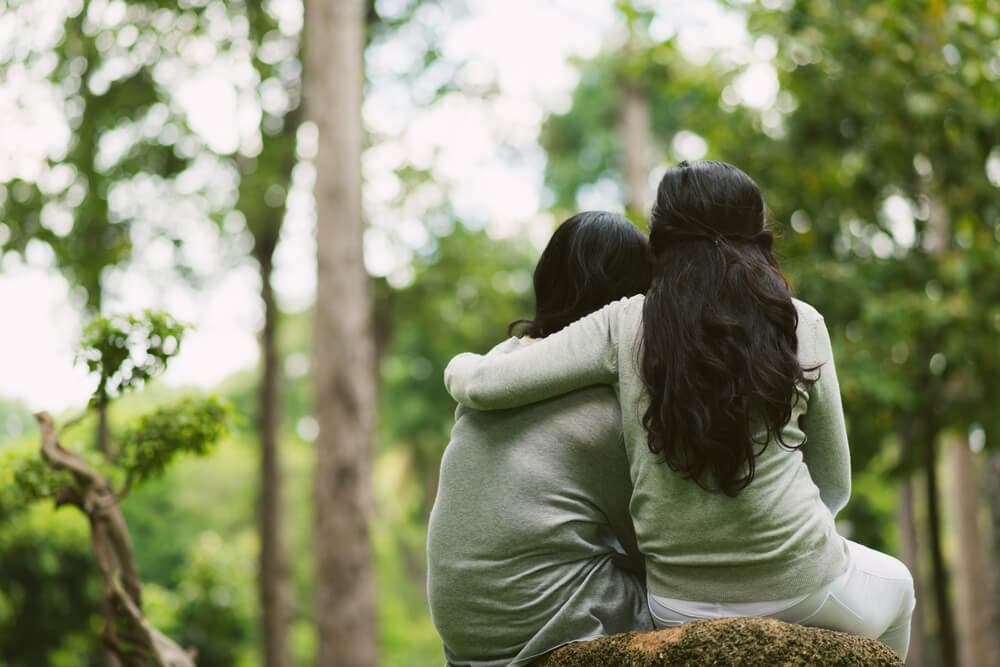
(873, 598)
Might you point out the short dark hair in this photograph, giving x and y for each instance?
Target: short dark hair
(592, 259)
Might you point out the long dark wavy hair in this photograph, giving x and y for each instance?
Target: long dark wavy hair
(719, 358)
(592, 259)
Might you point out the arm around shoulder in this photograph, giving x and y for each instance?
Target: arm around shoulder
(584, 353)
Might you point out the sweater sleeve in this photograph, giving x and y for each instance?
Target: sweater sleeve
(583, 354)
(826, 452)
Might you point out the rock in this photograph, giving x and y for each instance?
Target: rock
(748, 642)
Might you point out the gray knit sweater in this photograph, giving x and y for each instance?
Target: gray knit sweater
(775, 540)
(525, 539)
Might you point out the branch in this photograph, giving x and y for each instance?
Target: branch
(164, 651)
(58, 457)
(121, 493)
(109, 534)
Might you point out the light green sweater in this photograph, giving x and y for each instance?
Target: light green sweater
(526, 536)
(775, 540)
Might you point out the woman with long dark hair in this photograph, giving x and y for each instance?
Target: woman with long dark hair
(530, 527)
(732, 419)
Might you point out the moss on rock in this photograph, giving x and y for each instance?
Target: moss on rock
(748, 642)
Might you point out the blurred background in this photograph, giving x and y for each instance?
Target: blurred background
(153, 155)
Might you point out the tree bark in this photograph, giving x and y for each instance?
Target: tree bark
(973, 603)
(344, 355)
(635, 148)
(910, 545)
(103, 435)
(103, 431)
(911, 555)
(127, 635)
(993, 491)
(274, 589)
(946, 628)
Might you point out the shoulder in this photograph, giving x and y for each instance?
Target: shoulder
(812, 335)
(632, 303)
(626, 310)
(807, 313)
(624, 305)
(811, 323)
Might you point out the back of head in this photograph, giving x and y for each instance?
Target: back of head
(719, 349)
(592, 259)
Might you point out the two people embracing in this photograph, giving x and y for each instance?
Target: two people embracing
(663, 442)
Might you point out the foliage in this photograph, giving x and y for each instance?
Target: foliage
(102, 75)
(48, 594)
(896, 213)
(406, 635)
(29, 479)
(584, 144)
(125, 351)
(215, 600)
(189, 426)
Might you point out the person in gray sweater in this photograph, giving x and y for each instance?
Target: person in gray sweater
(530, 545)
(733, 423)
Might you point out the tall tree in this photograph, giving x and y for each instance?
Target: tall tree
(975, 645)
(264, 182)
(973, 599)
(910, 549)
(993, 491)
(634, 116)
(344, 355)
(273, 574)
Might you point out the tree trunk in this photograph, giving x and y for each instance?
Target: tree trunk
(946, 629)
(993, 491)
(910, 545)
(344, 355)
(103, 440)
(103, 434)
(635, 148)
(973, 604)
(911, 555)
(274, 589)
(128, 636)
(103, 431)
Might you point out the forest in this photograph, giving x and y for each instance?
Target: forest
(354, 192)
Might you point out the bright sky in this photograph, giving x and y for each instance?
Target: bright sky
(523, 45)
